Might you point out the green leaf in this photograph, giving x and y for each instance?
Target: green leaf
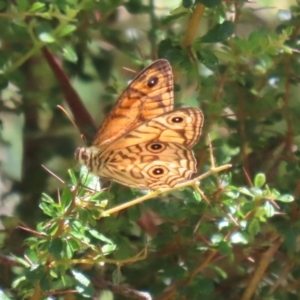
(70, 54)
(22, 5)
(84, 286)
(45, 282)
(56, 248)
(18, 281)
(35, 273)
(47, 209)
(209, 3)
(246, 192)
(208, 58)
(21, 261)
(46, 37)
(108, 249)
(73, 177)
(135, 6)
(66, 199)
(219, 33)
(134, 212)
(167, 50)
(259, 180)
(100, 236)
(217, 238)
(68, 250)
(89, 180)
(3, 6)
(31, 254)
(238, 238)
(187, 3)
(254, 226)
(285, 198)
(66, 30)
(225, 248)
(37, 7)
(197, 196)
(74, 245)
(46, 198)
(269, 209)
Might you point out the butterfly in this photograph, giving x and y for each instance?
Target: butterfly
(143, 142)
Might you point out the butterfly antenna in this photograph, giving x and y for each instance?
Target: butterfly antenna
(67, 115)
(129, 70)
(53, 174)
(71, 120)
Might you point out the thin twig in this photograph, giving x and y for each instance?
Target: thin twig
(261, 269)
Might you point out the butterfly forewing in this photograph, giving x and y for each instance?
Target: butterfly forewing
(149, 94)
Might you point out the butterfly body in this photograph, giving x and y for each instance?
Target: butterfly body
(143, 142)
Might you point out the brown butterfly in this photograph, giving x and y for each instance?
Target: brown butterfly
(144, 142)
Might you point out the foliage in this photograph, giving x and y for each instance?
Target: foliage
(241, 242)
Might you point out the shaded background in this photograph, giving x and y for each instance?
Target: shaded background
(244, 76)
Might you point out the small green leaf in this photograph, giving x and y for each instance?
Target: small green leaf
(46, 198)
(225, 248)
(100, 236)
(209, 3)
(70, 54)
(134, 6)
(254, 227)
(84, 286)
(66, 199)
(187, 3)
(68, 250)
(217, 238)
(245, 191)
(285, 198)
(35, 273)
(74, 245)
(22, 5)
(20, 260)
(219, 33)
(3, 6)
(66, 30)
(73, 177)
(269, 209)
(208, 58)
(108, 249)
(173, 53)
(46, 37)
(259, 180)
(89, 180)
(238, 238)
(37, 7)
(52, 229)
(47, 209)
(18, 281)
(56, 248)
(197, 196)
